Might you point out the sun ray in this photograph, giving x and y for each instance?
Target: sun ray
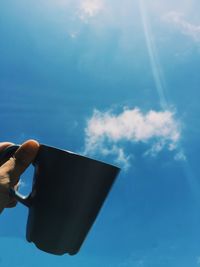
(155, 65)
(193, 183)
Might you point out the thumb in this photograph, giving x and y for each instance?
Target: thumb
(22, 158)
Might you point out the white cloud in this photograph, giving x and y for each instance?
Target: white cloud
(108, 133)
(186, 28)
(118, 152)
(89, 9)
(156, 148)
(180, 156)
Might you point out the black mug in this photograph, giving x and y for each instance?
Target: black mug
(67, 193)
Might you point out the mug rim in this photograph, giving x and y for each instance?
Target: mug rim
(78, 155)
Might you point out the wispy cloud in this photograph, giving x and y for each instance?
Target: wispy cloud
(89, 9)
(108, 134)
(186, 27)
(73, 34)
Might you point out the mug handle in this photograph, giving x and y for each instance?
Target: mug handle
(6, 154)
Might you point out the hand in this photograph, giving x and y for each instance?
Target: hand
(11, 170)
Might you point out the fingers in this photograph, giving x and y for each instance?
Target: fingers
(12, 201)
(6, 200)
(11, 170)
(11, 204)
(4, 145)
(22, 158)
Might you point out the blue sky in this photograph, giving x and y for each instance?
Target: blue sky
(118, 82)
